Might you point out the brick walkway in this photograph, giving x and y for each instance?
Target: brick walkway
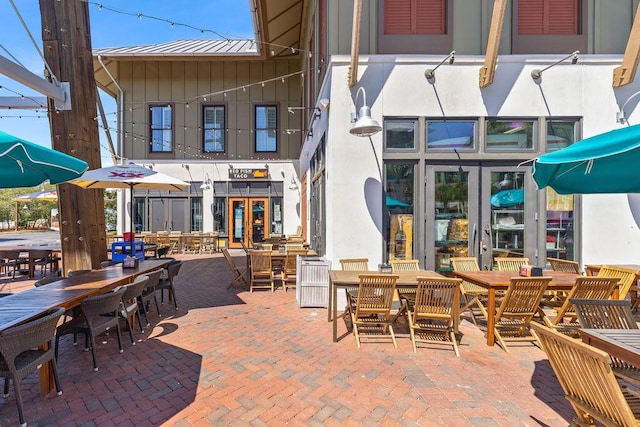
(228, 357)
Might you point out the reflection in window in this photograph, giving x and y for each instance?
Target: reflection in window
(214, 128)
(266, 129)
(450, 135)
(276, 215)
(559, 225)
(161, 128)
(401, 134)
(507, 213)
(509, 135)
(399, 210)
(560, 134)
(451, 209)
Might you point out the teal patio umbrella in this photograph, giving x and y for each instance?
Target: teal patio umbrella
(605, 163)
(25, 164)
(395, 203)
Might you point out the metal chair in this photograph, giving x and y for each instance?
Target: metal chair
(166, 282)
(130, 306)
(99, 314)
(24, 348)
(149, 294)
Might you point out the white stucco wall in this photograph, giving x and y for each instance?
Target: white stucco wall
(396, 86)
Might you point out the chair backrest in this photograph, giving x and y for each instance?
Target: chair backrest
(626, 276)
(375, 294)
(260, 262)
(232, 264)
(404, 265)
(465, 264)
(523, 297)
(46, 281)
(586, 378)
(154, 278)
(94, 307)
(108, 263)
(134, 289)
(437, 298)
(569, 266)
(40, 254)
(293, 246)
(589, 287)
(173, 269)
(290, 262)
(73, 273)
(9, 254)
(510, 263)
(604, 314)
(355, 264)
(263, 246)
(34, 333)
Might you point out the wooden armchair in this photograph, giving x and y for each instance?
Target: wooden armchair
(370, 308)
(404, 265)
(261, 270)
(472, 295)
(520, 304)
(353, 264)
(433, 313)
(510, 263)
(587, 380)
(589, 287)
(627, 278)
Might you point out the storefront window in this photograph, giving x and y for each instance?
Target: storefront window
(276, 216)
(220, 215)
(401, 134)
(138, 214)
(509, 135)
(560, 134)
(457, 135)
(196, 214)
(399, 200)
(559, 225)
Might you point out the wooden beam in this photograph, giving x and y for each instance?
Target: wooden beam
(625, 73)
(488, 71)
(67, 49)
(355, 42)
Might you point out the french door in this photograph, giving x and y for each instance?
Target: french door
(169, 214)
(480, 210)
(248, 221)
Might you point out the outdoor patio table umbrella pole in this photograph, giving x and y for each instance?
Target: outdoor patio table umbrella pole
(129, 176)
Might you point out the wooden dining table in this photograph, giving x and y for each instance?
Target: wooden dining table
(623, 344)
(67, 292)
(493, 280)
(341, 279)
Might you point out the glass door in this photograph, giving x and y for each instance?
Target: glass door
(479, 211)
(248, 218)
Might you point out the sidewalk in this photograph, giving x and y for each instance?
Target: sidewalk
(229, 357)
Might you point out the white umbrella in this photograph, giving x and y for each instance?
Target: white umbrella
(47, 195)
(128, 176)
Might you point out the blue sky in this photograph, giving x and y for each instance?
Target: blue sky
(111, 26)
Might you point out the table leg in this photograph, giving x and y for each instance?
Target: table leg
(491, 312)
(330, 306)
(45, 377)
(334, 309)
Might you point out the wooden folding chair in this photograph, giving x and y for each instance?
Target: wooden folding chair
(291, 268)
(471, 294)
(237, 273)
(262, 276)
(520, 304)
(587, 381)
(566, 265)
(510, 263)
(353, 264)
(433, 314)
(370, 308)
(589, 287)
(627, 278)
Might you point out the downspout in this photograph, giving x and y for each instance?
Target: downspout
(120, 108)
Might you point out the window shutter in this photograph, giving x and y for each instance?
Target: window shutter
(430, 17)
(548, 17)
(397, 16)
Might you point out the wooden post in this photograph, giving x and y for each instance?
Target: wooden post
(66, 40)
(488, 70)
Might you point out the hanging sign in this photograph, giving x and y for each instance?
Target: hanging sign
(237, 173)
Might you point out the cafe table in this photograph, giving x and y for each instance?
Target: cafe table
(67, 292)
(493, 280)
(341, 279)
(623, 344)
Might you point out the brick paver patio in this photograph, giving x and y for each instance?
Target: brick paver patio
(229, 357)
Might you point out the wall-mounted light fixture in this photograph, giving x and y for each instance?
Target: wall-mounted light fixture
(292, 110)
(294, 185)
(430, 73)
(536, 74)
(363, 124)
(230, 166)
(620, 117)
(206, 183)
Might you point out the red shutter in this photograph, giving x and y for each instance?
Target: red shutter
(563, 17)
(430, 17)
(397, 16)
(414, 17)
(548, 17)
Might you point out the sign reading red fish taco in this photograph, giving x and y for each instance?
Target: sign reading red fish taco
(248, 173)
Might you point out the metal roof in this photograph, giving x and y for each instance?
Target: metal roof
(190, 48)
